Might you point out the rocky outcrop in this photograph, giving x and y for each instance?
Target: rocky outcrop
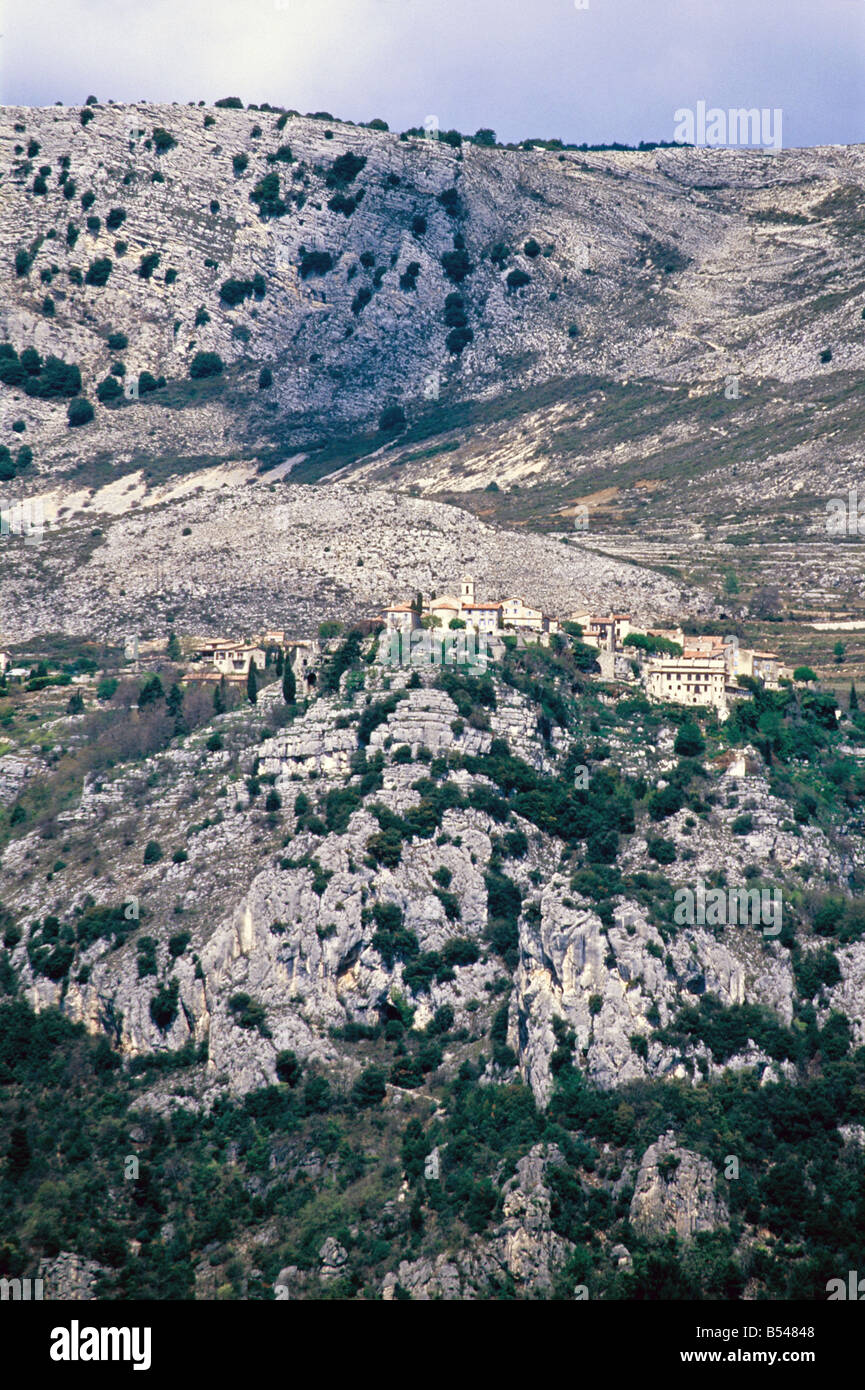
(69, 1277)
(676, 1191)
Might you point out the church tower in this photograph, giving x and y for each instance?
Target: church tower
(468, 591)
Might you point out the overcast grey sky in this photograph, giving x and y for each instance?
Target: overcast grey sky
(617, 70)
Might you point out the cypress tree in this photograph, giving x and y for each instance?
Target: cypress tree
(289, 685)
(854, 698)
(252, 684)
(219, 697)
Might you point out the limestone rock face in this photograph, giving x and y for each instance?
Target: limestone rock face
(524, 1247)
(69, 1277)
(532, 1250)
(676, 1191)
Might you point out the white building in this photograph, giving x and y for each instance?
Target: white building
(401, 617)
(517, 614)
(688, 680)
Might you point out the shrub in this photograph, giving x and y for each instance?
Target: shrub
(98, 271)
(418, 225)
(266, 195)
(205, 364)
(743, 825)
(86, 116)
(392, 418)
(93, 224)
(265, 379)
(163, 1006)
(109, 390)
(458, 339)
(516, 279)
(23, 261)
(148, 264)
(170, 276)
(248, 1013)
(315, 263)
(162, 140)
(115, 219)
(661, 850)
(689, 741)
(230, 103)
(370, 1088)
(531, 249)
(117, 342)
(288, 1068)
(80, 412)
(201, 317)
(456, 266)
(239, 163)
(88, 199)
(56, 378)
(152, 852)
(408, 279)
(344, 170)
(48, 306)
(665, 801)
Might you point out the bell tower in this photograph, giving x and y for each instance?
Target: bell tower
(468, 591)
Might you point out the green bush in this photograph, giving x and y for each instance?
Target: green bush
(266, 195)
(109, 390)
(206, 364)
(265, 379)
(163, 1006)
(152, 852)
(239, 163)
(98, 271)
(370, 1088)
(315, 263)
(392, 418)
(517, 279)
(148, 263)
(117, 342)
(162, 140)
(80, 412)
(115, 219)
(689, 741)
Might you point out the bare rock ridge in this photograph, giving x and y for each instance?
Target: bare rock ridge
(675, 265)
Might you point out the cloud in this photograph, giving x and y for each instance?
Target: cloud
(617, 70)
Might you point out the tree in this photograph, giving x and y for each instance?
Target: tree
(173, 650)
(76, 703)
(219, 697)
(854, 698)
(150, 692)
(839, 651)
(174, 705)
(485, 137)
(689, 741)
(265, 379)
(18, 1154)
(289, 685)
(731, 583)
(80, 412)
(205, 364)
(804, 674)
(252, 684)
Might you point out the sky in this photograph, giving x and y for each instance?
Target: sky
(576, 70)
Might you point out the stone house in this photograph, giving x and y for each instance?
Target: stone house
(517, 614)
(401, 617)
(688, 680)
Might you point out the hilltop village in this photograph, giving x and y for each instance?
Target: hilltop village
(669, 665)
